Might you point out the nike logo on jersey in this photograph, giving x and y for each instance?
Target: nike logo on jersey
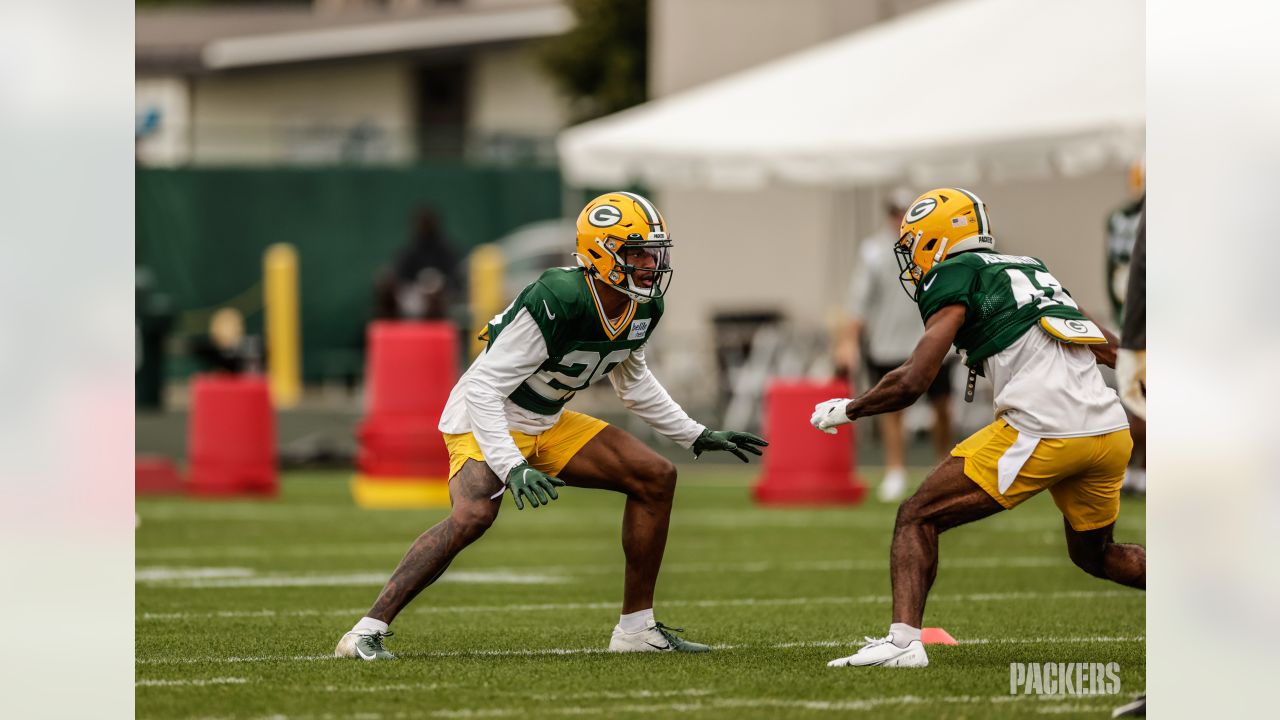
(550, 315)
(926, 286)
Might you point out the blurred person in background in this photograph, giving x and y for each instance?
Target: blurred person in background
(1131, 370)
(1122, 233)
(507, 428)
(419, 283)
(1058, 427)
(883, 329)
(226, 347)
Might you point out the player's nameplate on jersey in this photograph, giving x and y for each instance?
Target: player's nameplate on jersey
(638, 329)
(1073, 330)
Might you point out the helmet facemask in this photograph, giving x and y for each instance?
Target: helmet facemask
(911, 273)
(641, 266)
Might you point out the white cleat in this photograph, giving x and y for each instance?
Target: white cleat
(363, 646)
(881, 652)
(658, 638)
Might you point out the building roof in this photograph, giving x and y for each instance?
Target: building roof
(212, 38)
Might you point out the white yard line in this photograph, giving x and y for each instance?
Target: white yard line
(167, 574)
(200, 580)
(538, 652)
(1045, 704)
(839, 518)
(365, 688)
(1050, 704)
(1037, 640)
(192, 683)
(613, 604)
(624, 695)
(239, 577)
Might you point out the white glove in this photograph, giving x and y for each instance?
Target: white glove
(1131, 374)
(829, 414)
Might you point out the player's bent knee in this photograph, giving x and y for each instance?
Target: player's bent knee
(657, 480)
(471, 520)
(912, 512)
(1089, 559)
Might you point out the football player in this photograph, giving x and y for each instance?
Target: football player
(507, 429)
(1058, 426)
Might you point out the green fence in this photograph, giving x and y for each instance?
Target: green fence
(202, 232)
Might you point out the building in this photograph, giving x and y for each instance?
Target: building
(348, 81)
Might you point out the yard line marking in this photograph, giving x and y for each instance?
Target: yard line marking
(537, 652)
(726, 519)
(268, 551)
(194, 682)
(351, 579)
(1048, 703)
(232, 659)
(613, 604)
(624, 695)
(162, 574)
(239, 577)
(1087, 639)
(362, 688)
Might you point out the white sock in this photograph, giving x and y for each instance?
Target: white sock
(369, 625)
(903, 634)
(636, 621)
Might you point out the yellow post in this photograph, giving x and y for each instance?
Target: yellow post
(487, 298)
(280, 301)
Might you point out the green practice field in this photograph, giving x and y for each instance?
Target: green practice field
(240, 604)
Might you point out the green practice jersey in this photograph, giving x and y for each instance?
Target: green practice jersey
(1003, 295)
(583, 346)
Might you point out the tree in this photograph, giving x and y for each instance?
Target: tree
(603, 62)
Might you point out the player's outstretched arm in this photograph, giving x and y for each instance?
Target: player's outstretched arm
(901, 386)
(643, 395)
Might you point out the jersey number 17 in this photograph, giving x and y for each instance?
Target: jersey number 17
(1041, 288)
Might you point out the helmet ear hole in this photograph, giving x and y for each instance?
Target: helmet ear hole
(594, 255)
(930, 245)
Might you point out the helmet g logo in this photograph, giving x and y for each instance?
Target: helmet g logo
(604, 216)
(921, 209)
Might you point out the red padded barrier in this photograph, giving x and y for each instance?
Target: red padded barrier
(231, 436)
(409, 371)
(803, 466)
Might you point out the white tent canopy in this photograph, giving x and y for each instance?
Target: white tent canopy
(969, 89)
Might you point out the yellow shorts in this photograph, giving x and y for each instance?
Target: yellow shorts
(549, 451)
(1083, 474)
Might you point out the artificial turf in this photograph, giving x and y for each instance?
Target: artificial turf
(240, 604)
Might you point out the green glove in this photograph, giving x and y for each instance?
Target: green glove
(733, 441)
(534, 485)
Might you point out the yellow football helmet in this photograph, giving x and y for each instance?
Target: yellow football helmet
(939, 224)
(623, 241)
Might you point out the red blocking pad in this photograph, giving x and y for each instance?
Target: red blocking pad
(936, 636)
(803, 466)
